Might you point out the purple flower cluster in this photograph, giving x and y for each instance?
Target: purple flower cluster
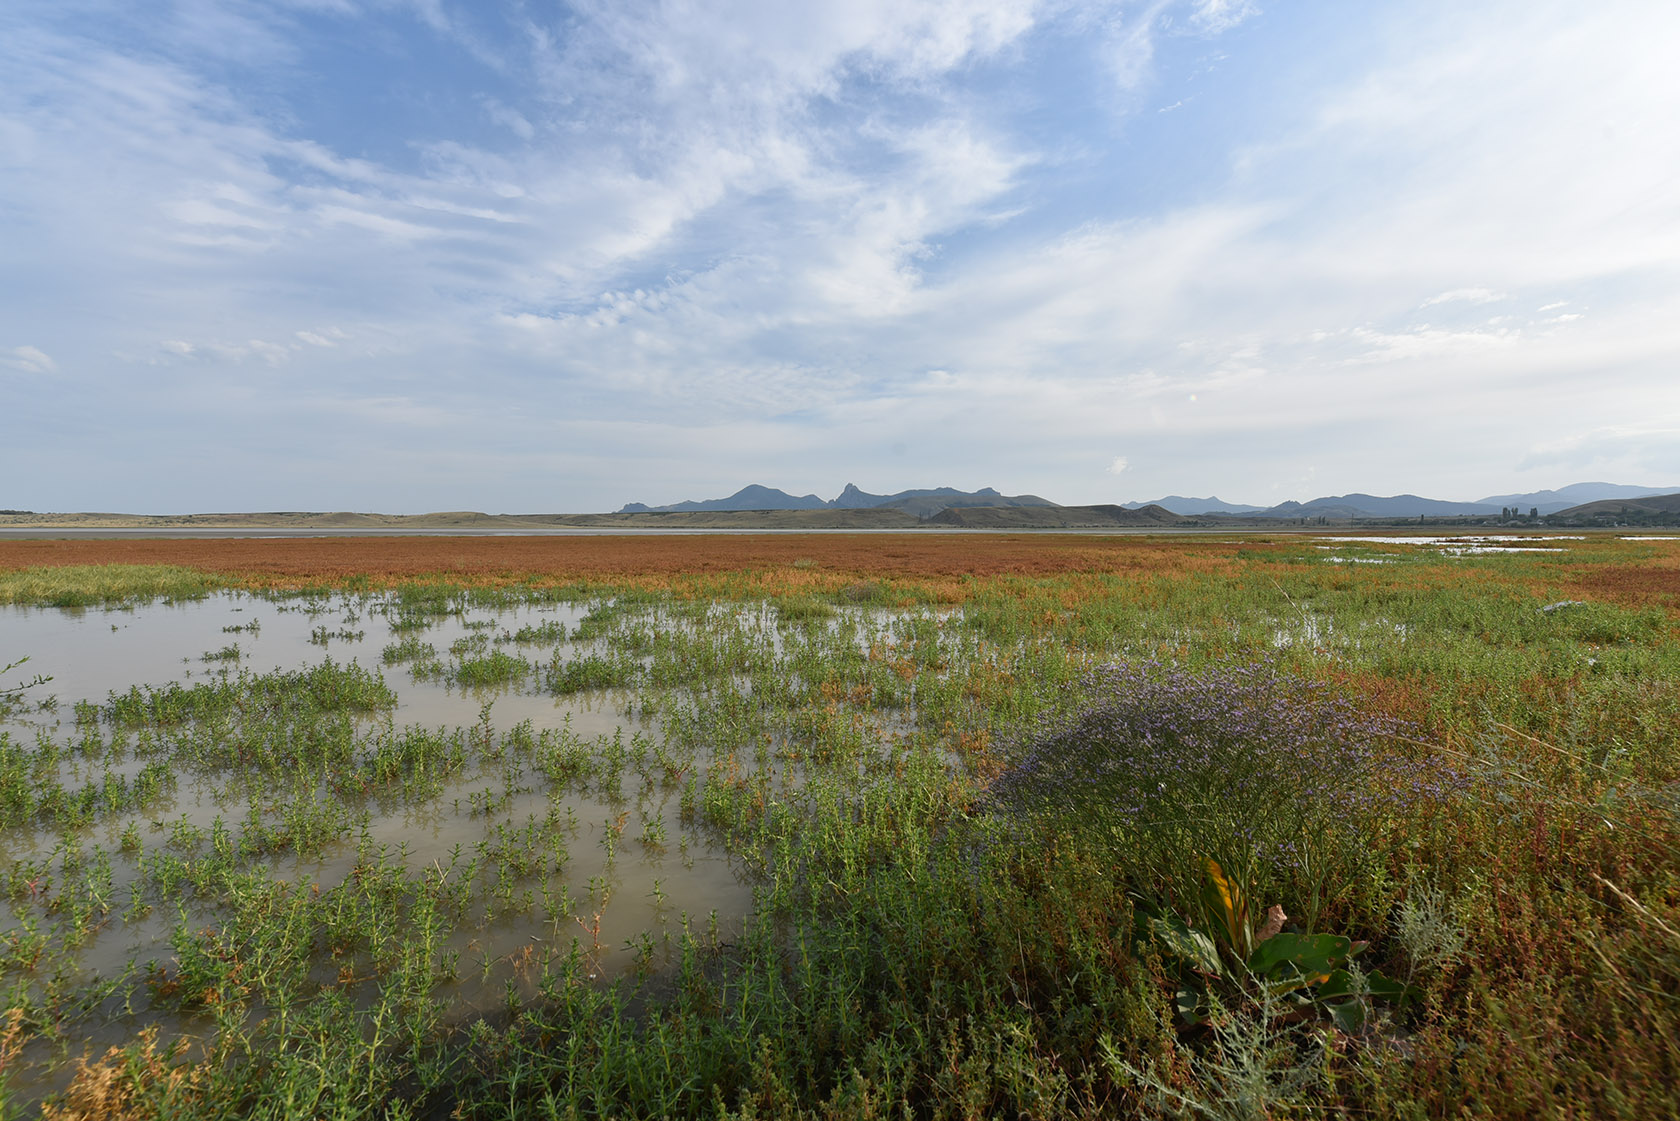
(1241, 761)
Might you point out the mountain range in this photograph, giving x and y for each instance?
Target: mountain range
(931, 503)
(921, 503)
(765, 508)
(1410, 505)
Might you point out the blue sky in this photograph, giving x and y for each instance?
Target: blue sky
(411, 255)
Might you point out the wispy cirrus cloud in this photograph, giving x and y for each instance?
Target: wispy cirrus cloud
(28, 360)
(1465, 295)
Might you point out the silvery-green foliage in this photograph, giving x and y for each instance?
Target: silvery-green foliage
(1255, 1065)
(1428, 930)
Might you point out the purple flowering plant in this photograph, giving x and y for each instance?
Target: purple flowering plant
(1274, 776)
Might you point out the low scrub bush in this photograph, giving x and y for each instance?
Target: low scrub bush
(1275, 777)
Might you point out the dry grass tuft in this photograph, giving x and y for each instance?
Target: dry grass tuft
(138, 1082)
(12, 1039)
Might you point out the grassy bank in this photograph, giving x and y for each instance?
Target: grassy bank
(1014, 839)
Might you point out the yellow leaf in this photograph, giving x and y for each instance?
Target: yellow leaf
(1227, 900)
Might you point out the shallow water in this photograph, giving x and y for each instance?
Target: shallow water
(618, 866)
(1464, 545)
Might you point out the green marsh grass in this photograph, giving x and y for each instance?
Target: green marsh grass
(346, 915)
(84, 585)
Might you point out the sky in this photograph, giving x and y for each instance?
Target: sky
(532, 256)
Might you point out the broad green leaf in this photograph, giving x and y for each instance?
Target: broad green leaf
(1349, 1015)
(1312, 956)
(1389, 989)
(1187, 1002)
(1339, 983)
(1194, 947)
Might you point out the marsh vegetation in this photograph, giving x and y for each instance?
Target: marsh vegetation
(1216, 828)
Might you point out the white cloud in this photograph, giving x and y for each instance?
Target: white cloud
(28, 360)
(1378, 346)
(269, 353)
(1467, 296)
(1118, 465)
(1644, 453)
(509, 118)
(1503, 141)
(1132, 32)
(1214, 16)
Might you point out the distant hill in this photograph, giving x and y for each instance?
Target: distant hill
(854, 499)
(1575, 494)
(761, 507)
(920, 503)
(1347, 507)
(1370, 506)
(1648, 507)
(751, 497)
(1179, 504)
(1055, 517)
(875, 517)
(929, 502)
(1344, 507)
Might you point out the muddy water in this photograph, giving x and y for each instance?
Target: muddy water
(623, 869)
(92, 652)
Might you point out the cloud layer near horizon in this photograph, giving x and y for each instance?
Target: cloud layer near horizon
(410, 256)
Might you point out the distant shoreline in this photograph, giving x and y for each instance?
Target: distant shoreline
(1048, 518)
